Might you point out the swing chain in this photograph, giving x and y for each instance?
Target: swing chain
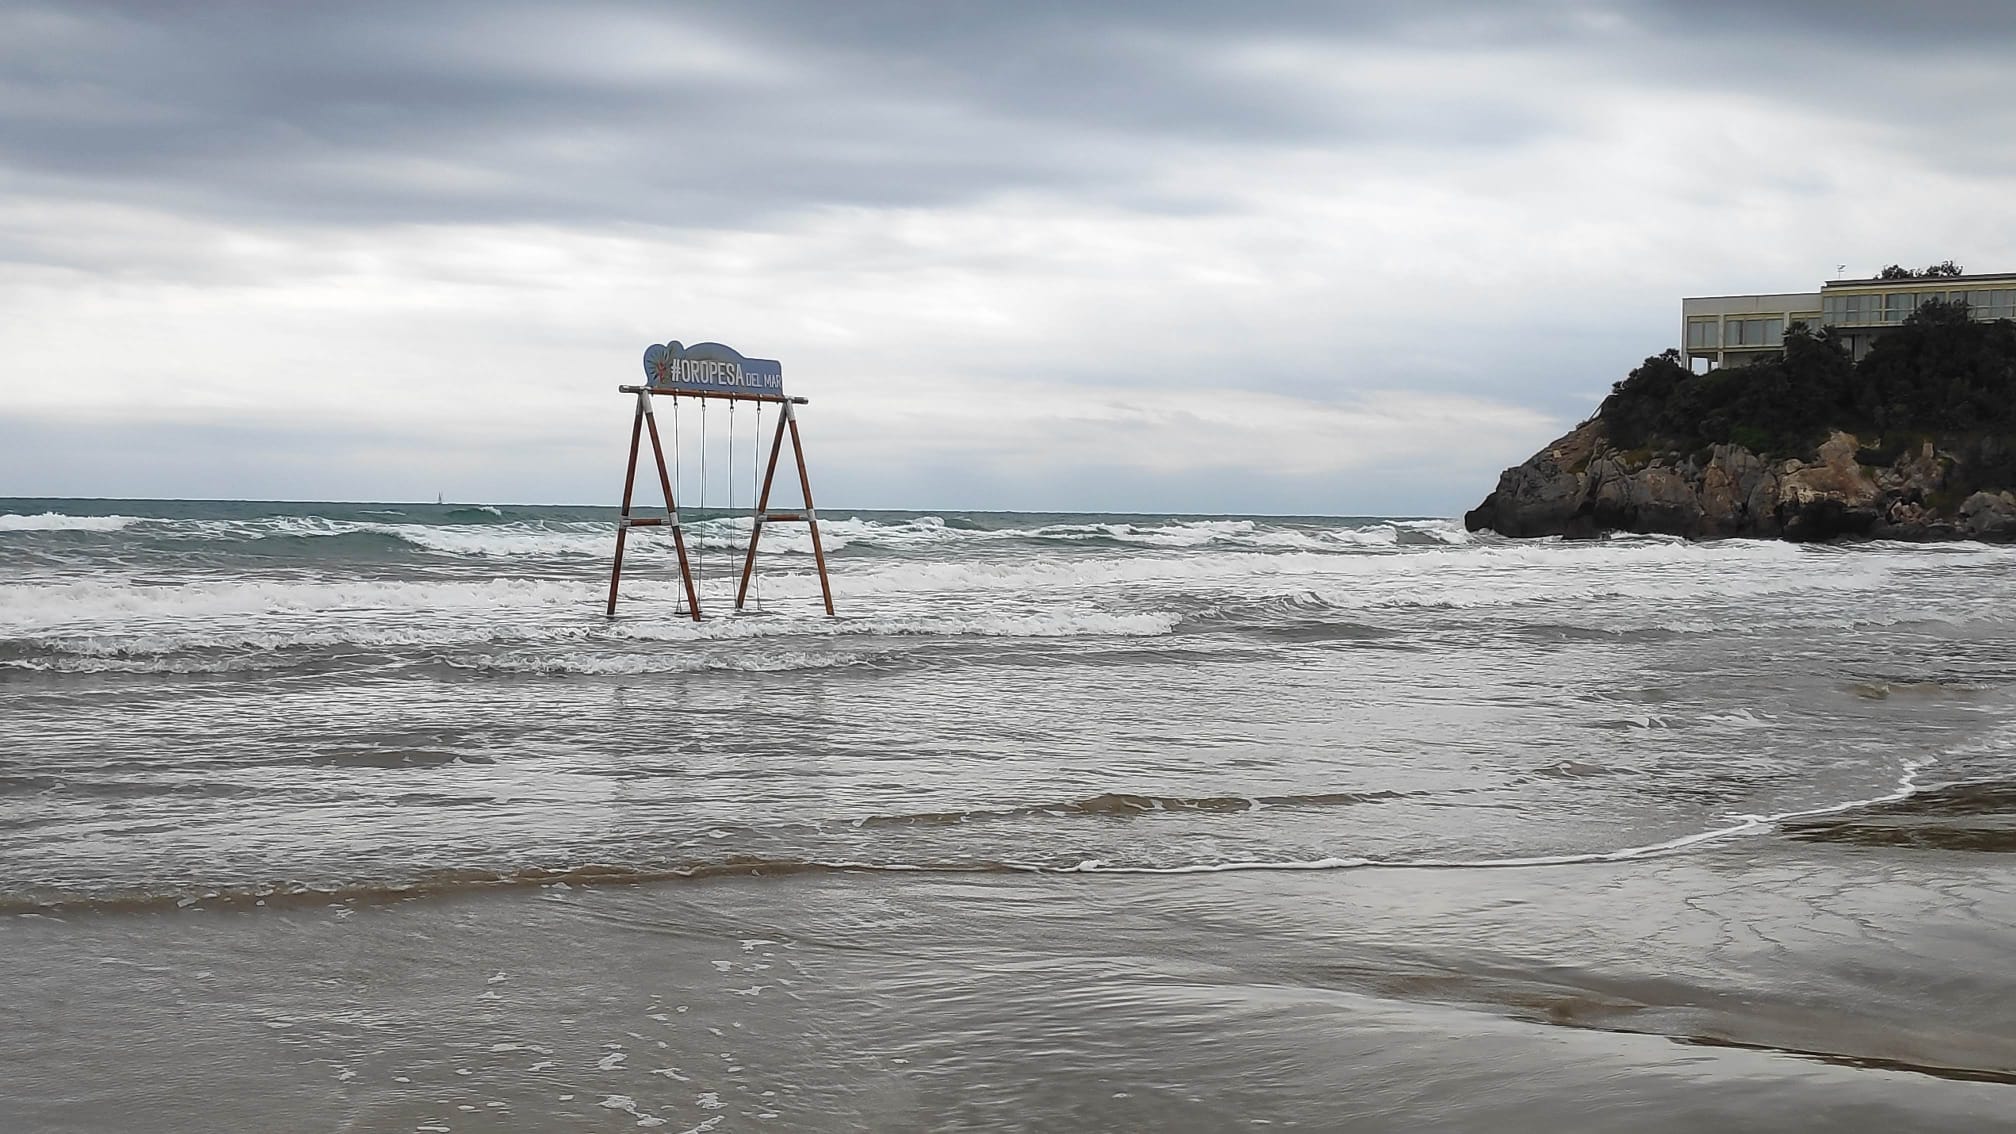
(678, 482)
(755, 509)
(730, 475)
(700, 541)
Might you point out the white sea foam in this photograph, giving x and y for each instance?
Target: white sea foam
(1738, 720)
(1229, 534)
(612, 664)
(493, 540)
(134, 621)
(562, 539)
(58, 522)
(1448, 531)
(1062, 622)
(1038, 595)
(1031, 592)
(107, 659)
(1378, 535)
(28, 606)
(1449, 578)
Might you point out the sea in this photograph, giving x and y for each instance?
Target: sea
(365, 817)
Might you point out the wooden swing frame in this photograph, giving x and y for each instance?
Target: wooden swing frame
(647, 421)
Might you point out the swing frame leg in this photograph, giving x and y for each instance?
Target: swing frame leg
(645, 417)
(786, 421)
(623, 517)
(811, 513)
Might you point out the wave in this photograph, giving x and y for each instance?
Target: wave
(487, 530)
(1458, 578)
(613, 665)
(492, 532)
(357, 544)
(480, 534)
(93, 602)
(47, 902)
(1128, 805)
(49, 626)
(934, 596)
(1246, 534)
(1880, 690)
(1148, 534)
(58, 661)
(1739, 825)
(58, 522)
(1604, 591)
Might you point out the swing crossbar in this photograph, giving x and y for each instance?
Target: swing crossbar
(675, 392)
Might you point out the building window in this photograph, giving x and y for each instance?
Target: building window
(1702, 333)
(1999, 303)
(1753, 332)
(1855, 310)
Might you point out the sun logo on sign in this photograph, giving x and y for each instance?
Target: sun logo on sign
(663, 368)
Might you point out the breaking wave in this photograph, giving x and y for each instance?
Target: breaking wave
(57, 522)
(490, 531)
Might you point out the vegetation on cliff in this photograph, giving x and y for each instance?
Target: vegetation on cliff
(1940, 373)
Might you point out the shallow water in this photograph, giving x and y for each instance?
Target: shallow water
(362, 817)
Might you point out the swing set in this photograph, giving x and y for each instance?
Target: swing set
(713, 372)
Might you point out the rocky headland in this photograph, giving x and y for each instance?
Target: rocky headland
(1581, 486)
(1916, 441)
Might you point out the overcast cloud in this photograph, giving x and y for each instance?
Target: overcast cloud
(1322, 257)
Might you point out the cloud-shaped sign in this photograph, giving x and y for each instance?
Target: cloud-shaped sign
(710, 368)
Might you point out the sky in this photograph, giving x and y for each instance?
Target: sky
(1303, 258)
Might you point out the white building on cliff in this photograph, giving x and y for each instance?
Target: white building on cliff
(1730, 330)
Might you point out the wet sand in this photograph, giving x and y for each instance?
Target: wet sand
(1770, 983)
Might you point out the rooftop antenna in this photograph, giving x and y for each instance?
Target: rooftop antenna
(1838, 269)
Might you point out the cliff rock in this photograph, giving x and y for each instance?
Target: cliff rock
(1989, 515)
(1581, 486)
